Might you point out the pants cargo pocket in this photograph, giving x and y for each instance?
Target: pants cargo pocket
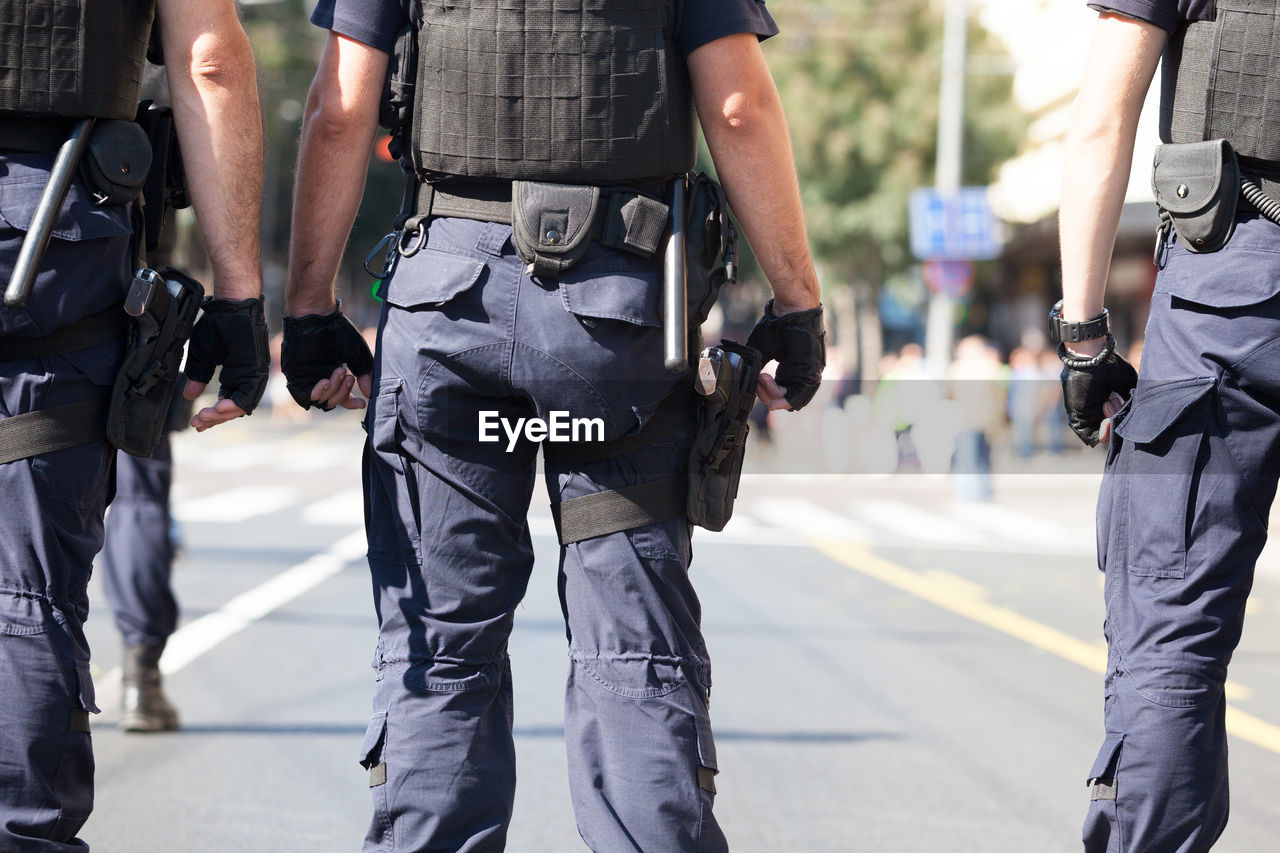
(372, 759)
(1166, 432)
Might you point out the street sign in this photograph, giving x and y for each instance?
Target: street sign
(954, 227)
(950, 278)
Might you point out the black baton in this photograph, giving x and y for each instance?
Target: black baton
(675, 330)
(41, 229)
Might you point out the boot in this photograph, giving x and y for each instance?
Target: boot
(144, 706)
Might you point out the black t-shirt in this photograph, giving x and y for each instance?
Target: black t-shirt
(376, 22)
(1170, 15)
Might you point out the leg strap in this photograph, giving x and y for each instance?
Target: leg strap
(58, 428)
(611, 511)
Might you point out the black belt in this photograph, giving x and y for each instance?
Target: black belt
(35, 134)
(491, 202)
(106, 325)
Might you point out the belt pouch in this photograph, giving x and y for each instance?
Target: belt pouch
(1197, 185)
(552, 224)
(116, 162)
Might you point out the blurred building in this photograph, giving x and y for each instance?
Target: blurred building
(1048, 41)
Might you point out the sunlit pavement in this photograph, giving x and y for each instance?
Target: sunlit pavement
(895, 669)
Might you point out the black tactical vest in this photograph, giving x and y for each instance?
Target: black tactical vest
(569, 91)
(1221, 80)
(74, 58)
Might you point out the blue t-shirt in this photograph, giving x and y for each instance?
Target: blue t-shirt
(1170, 15)
(376, 22)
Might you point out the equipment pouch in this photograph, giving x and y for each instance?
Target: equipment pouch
(162, 308)
(1197, 184)
(710, 247)
(116, 162)
(551, 224)
(726, 386)
(395, 109)
(166, 185)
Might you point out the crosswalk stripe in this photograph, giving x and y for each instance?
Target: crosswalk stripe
(911, 522)
(345, 507)
(238, 504)
(803, 516)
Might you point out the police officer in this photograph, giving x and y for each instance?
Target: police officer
(137, 565)
(1192, 464)
(63, 349)
(537, 127)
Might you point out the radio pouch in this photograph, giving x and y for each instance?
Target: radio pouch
(1197, 186)
(166, 185)
(726, 386)
(710, 246)
(552, 224)
(116, 162)
(162, 308)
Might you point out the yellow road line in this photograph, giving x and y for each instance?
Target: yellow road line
(967, 599)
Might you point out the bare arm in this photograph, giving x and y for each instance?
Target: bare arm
(213, 86)
(1099, 153)
(337, 135)
(742, 118)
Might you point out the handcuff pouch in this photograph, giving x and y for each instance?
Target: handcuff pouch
(1197, 187)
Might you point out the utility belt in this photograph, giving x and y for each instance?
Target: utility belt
(1198, 187)
(159, 311)
(552, 227)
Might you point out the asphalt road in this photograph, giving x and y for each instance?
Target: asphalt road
(894, 670)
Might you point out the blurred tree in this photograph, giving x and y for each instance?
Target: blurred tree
(860, 79)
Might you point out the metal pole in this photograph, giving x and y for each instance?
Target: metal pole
(41, 228)
(940, 330)
(675, 326)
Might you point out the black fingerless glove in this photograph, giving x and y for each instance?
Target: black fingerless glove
(1087, 383)
(232, 334)
(797, 342)
(315, 345)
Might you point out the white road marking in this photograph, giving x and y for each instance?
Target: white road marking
(806, 518)
(195, 638)
(238, 504)
(345, 507)
(910, 522)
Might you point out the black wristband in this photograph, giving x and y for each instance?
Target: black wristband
(1061, 331)
(1079, 362)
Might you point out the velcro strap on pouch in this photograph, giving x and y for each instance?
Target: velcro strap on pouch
(615, 510)
(56, 428)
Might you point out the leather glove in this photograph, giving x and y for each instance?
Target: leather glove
(314, 346)
(1087, 383)
(797, 342)
(232, 334)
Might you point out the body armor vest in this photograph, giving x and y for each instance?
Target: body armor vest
(73, 58)
(569, 91)
(1221, 80)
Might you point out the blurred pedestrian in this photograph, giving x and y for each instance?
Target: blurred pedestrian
(976, 382)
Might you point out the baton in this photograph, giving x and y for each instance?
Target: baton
(675, 328)
(41, 229)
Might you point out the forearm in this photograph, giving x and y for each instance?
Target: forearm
(1099, 156)
(1095, 178)
(212, 82)
(338, 130)
(746, 131)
